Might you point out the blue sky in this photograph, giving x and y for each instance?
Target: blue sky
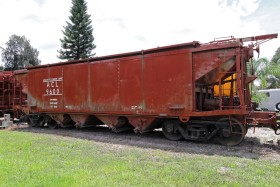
(126, 25)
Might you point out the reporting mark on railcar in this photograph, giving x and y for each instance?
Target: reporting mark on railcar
(53, 86)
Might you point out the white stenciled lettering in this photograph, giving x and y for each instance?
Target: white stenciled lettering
(52, 92)
(53, 79)
(53, 103)
(52, 86)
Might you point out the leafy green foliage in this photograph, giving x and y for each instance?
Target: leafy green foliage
(274, 70)
(78, 39)
(19, 53)
(257, 96)
(276, 57)
(268, 73)
(259, 69)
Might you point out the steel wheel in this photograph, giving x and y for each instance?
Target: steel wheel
(41, 121)
(32, 123)
(52, 124)
(36, 120)
(232, 134)
(170, 131)
(67, 122)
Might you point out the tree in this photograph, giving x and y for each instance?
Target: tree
(268, 73)
(19, 53)
(78, 39)
(260, 68)
(273, 77)
(276, 57)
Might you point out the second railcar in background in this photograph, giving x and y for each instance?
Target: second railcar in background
(12, 99)
(191, 90)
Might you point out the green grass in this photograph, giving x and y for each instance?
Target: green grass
(28, 159)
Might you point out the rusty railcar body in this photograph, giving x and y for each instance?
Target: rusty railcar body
(11, 97)
(192, 90)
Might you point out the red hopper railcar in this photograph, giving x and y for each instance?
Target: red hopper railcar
(191, 90)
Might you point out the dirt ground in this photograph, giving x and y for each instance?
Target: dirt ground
(263, 144)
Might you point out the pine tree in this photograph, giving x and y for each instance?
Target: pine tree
(78, 39)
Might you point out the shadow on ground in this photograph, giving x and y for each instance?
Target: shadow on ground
(251, 147)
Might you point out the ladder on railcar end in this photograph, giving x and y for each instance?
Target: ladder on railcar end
(5, 94)
(2, 92)
(19, 99)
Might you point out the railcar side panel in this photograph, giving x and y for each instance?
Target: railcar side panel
(151, 84)
(104, 76)
(37, 89)
(168, 83)
(130, 85)
(75, 87)
(51, 79)
(206, 64)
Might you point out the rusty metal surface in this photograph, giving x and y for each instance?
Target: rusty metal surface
(11, 96)
(144, 85)
(5, 90)
(261, 118)
(173, 81)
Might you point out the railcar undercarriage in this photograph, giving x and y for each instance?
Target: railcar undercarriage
(225, 131)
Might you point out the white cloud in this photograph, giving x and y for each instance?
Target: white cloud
(125, 25)
(243, 8)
